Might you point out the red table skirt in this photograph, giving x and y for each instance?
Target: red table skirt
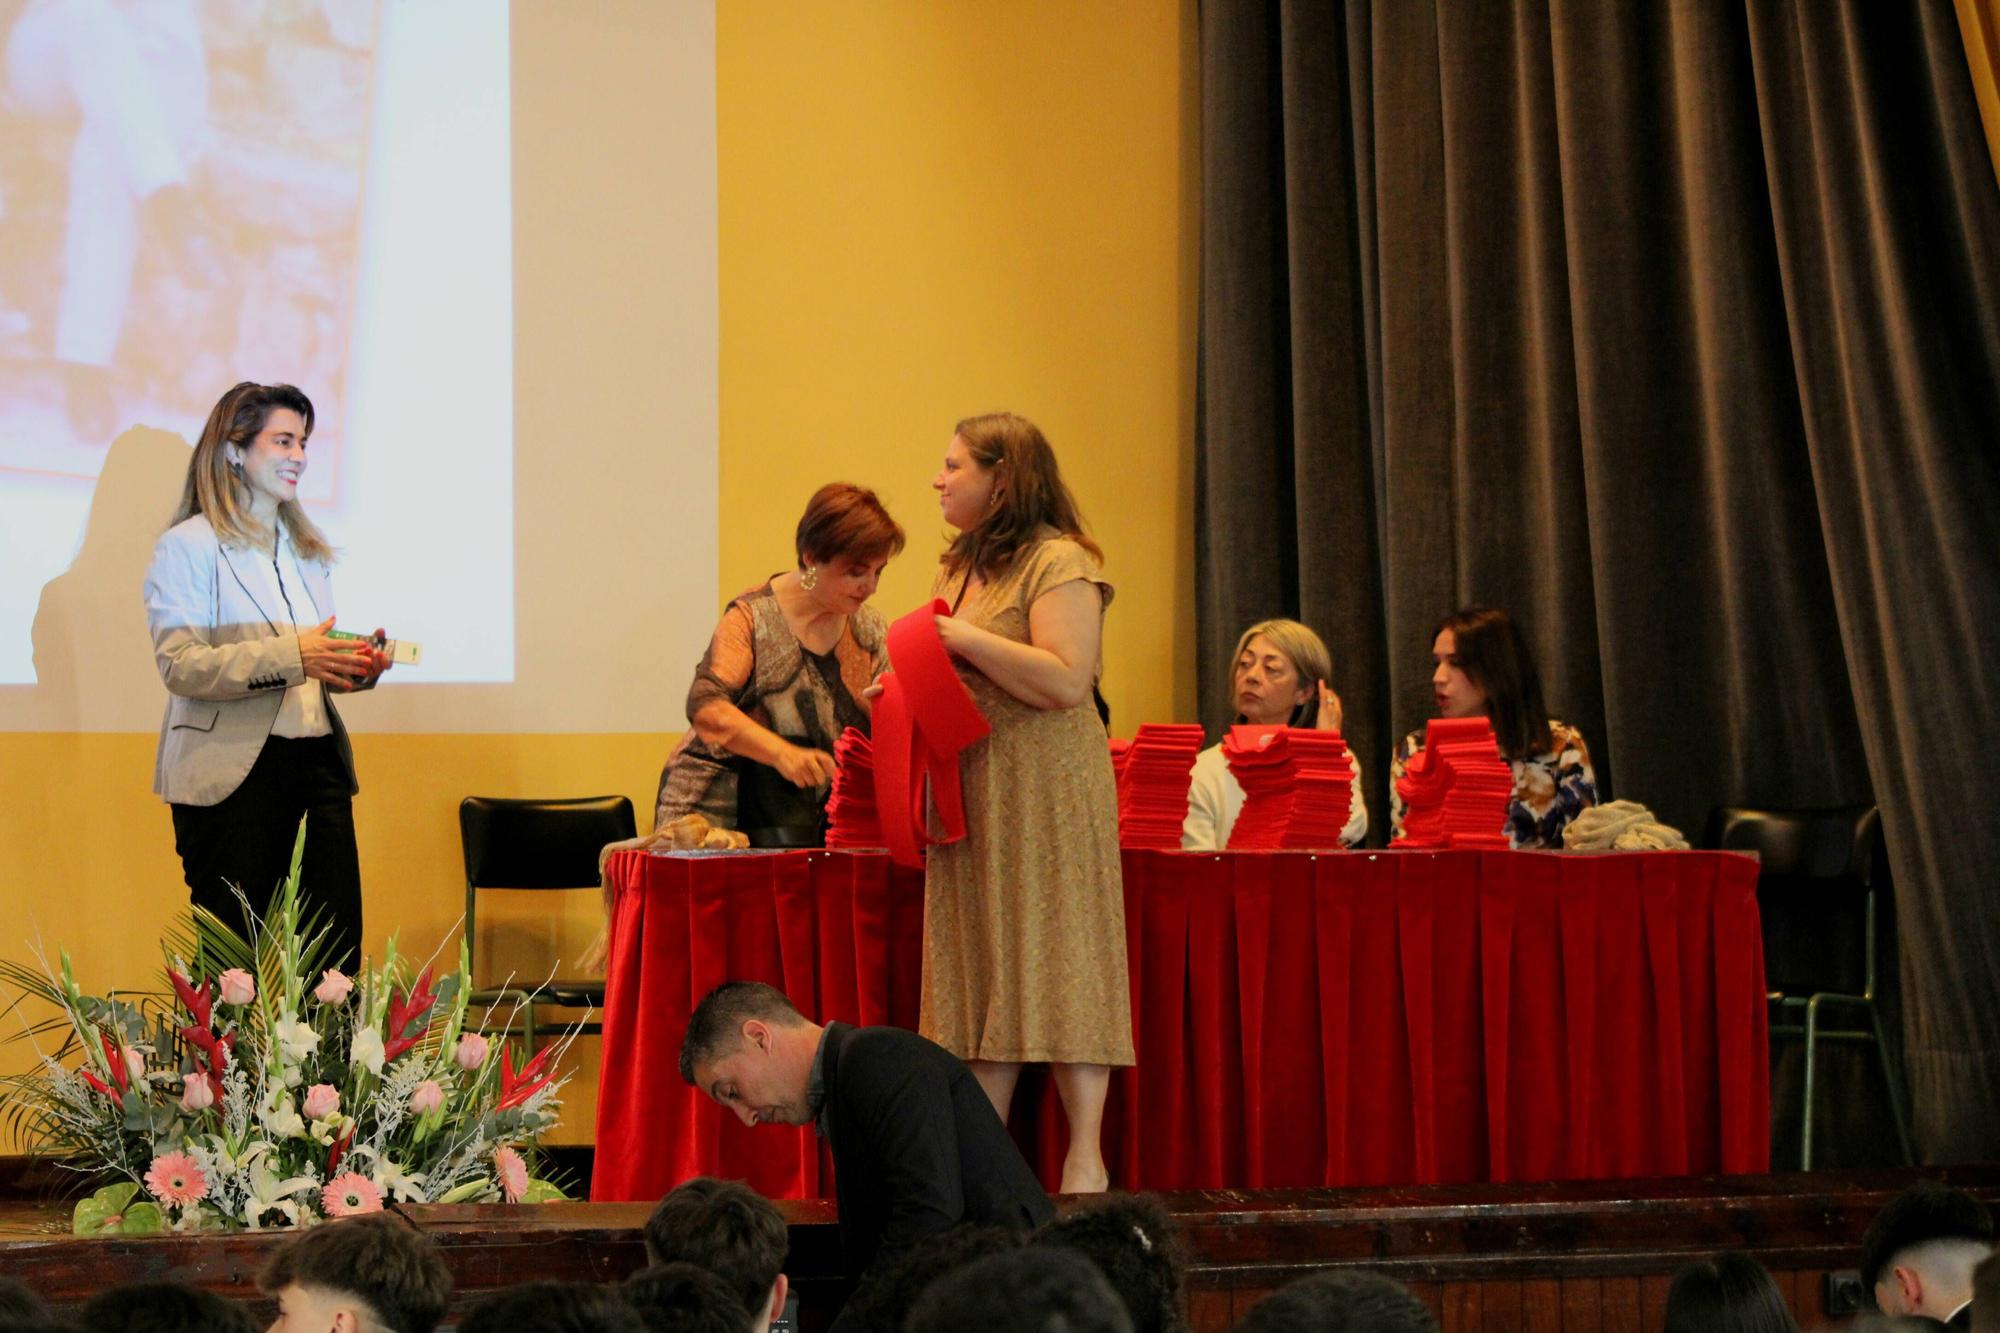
(1301, 1019)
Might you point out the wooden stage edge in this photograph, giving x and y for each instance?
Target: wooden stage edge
(1595, 1254)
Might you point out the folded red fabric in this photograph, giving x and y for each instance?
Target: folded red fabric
(1457, 788)
(923, 719)
(1152, 770)
(851, 820)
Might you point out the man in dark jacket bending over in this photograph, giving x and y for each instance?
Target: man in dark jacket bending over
(917, 1148)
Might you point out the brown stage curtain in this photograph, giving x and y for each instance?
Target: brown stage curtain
(1676, 330)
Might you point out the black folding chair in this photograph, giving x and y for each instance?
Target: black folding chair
(529, 844)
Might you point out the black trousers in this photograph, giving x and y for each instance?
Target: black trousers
(246, 839)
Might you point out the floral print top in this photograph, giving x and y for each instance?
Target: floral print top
(1550, 789)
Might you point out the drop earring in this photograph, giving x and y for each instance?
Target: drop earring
(810, 579)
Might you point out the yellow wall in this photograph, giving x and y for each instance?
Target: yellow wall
(927, 210)
(931, 210)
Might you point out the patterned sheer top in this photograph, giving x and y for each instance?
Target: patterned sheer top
(1550, 789)
(755, 662)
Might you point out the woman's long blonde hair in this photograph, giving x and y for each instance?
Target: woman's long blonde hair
(1309, 658)
(215, 491)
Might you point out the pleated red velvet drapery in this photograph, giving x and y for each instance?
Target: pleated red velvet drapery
(1301, 1019)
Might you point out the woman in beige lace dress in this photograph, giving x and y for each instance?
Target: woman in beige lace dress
(1024, 920)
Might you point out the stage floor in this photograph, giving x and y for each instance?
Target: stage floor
(1579, 1254)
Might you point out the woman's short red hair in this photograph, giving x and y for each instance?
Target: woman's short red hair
(846, 522)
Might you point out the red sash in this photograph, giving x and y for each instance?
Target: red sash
(924, 717)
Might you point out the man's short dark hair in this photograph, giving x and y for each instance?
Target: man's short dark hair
(18, 1301)
(1337, 1303)
(716, 1024)
(1927, 1211)
(725, 1227)
(1731, 1293)
(554, 1307)
(163, 1307)
(683, 1298)
(1986, 1295)
(1022, 1291)
(1135, 1245)
(381, 1261)
(883, 1301)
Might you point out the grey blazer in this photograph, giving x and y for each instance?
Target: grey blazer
(226, 663)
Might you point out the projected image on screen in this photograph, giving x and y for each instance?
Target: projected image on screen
(196, 192)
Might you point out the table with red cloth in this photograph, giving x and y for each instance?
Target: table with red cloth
(1335, 1018)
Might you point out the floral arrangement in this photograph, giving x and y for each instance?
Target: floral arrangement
(278, 1091)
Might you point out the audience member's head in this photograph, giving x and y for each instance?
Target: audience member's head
(1730, 1293)
(1135, 1246)
(729, 1229)
(370, 1274)
(1031, 1290)
(17, 1302)
(883, 1301)
(163, 1307)
(752, 1051)
(554, 1307)
(1986, 1295)
(1339, 1303)
(682, 1298)
(1919, 1254)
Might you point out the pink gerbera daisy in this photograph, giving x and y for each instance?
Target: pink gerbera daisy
(349, 1194)
(175, 1180)
(513, 1173)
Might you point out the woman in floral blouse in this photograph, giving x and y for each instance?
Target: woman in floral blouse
(1483, 667)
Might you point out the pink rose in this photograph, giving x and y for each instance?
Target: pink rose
(333, 987)
(471, 1051)
(198, 1094)
(426, 1097)
(322, 1100)
(135, 1065)
(238, 986)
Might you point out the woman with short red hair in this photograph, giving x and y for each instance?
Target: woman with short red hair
(783, 676)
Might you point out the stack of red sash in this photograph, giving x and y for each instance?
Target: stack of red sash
(1297, 784)
(1153, 770)
(851, 820)
(923, 719)
(1456, 789)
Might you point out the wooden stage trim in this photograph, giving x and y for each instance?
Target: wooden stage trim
(1554, 1256)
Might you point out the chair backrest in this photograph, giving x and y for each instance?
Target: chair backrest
(1802, 845)
(1815, 886)
(523, 844)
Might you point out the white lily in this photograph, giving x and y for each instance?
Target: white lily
(367, 1050)
(390, 1178)
(268, 1194)
(280, 1116)
(297, 1039)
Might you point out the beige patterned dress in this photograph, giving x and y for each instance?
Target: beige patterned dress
(1024, 920)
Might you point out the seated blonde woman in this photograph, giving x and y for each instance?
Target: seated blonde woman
(1278, 677)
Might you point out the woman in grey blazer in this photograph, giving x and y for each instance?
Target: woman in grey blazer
(239, 602)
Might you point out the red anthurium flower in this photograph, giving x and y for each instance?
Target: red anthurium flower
(211, 1050)
(114, 1059)
(407, 1016)
(338, 1151)
(200, 1003)
(516, 1089)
